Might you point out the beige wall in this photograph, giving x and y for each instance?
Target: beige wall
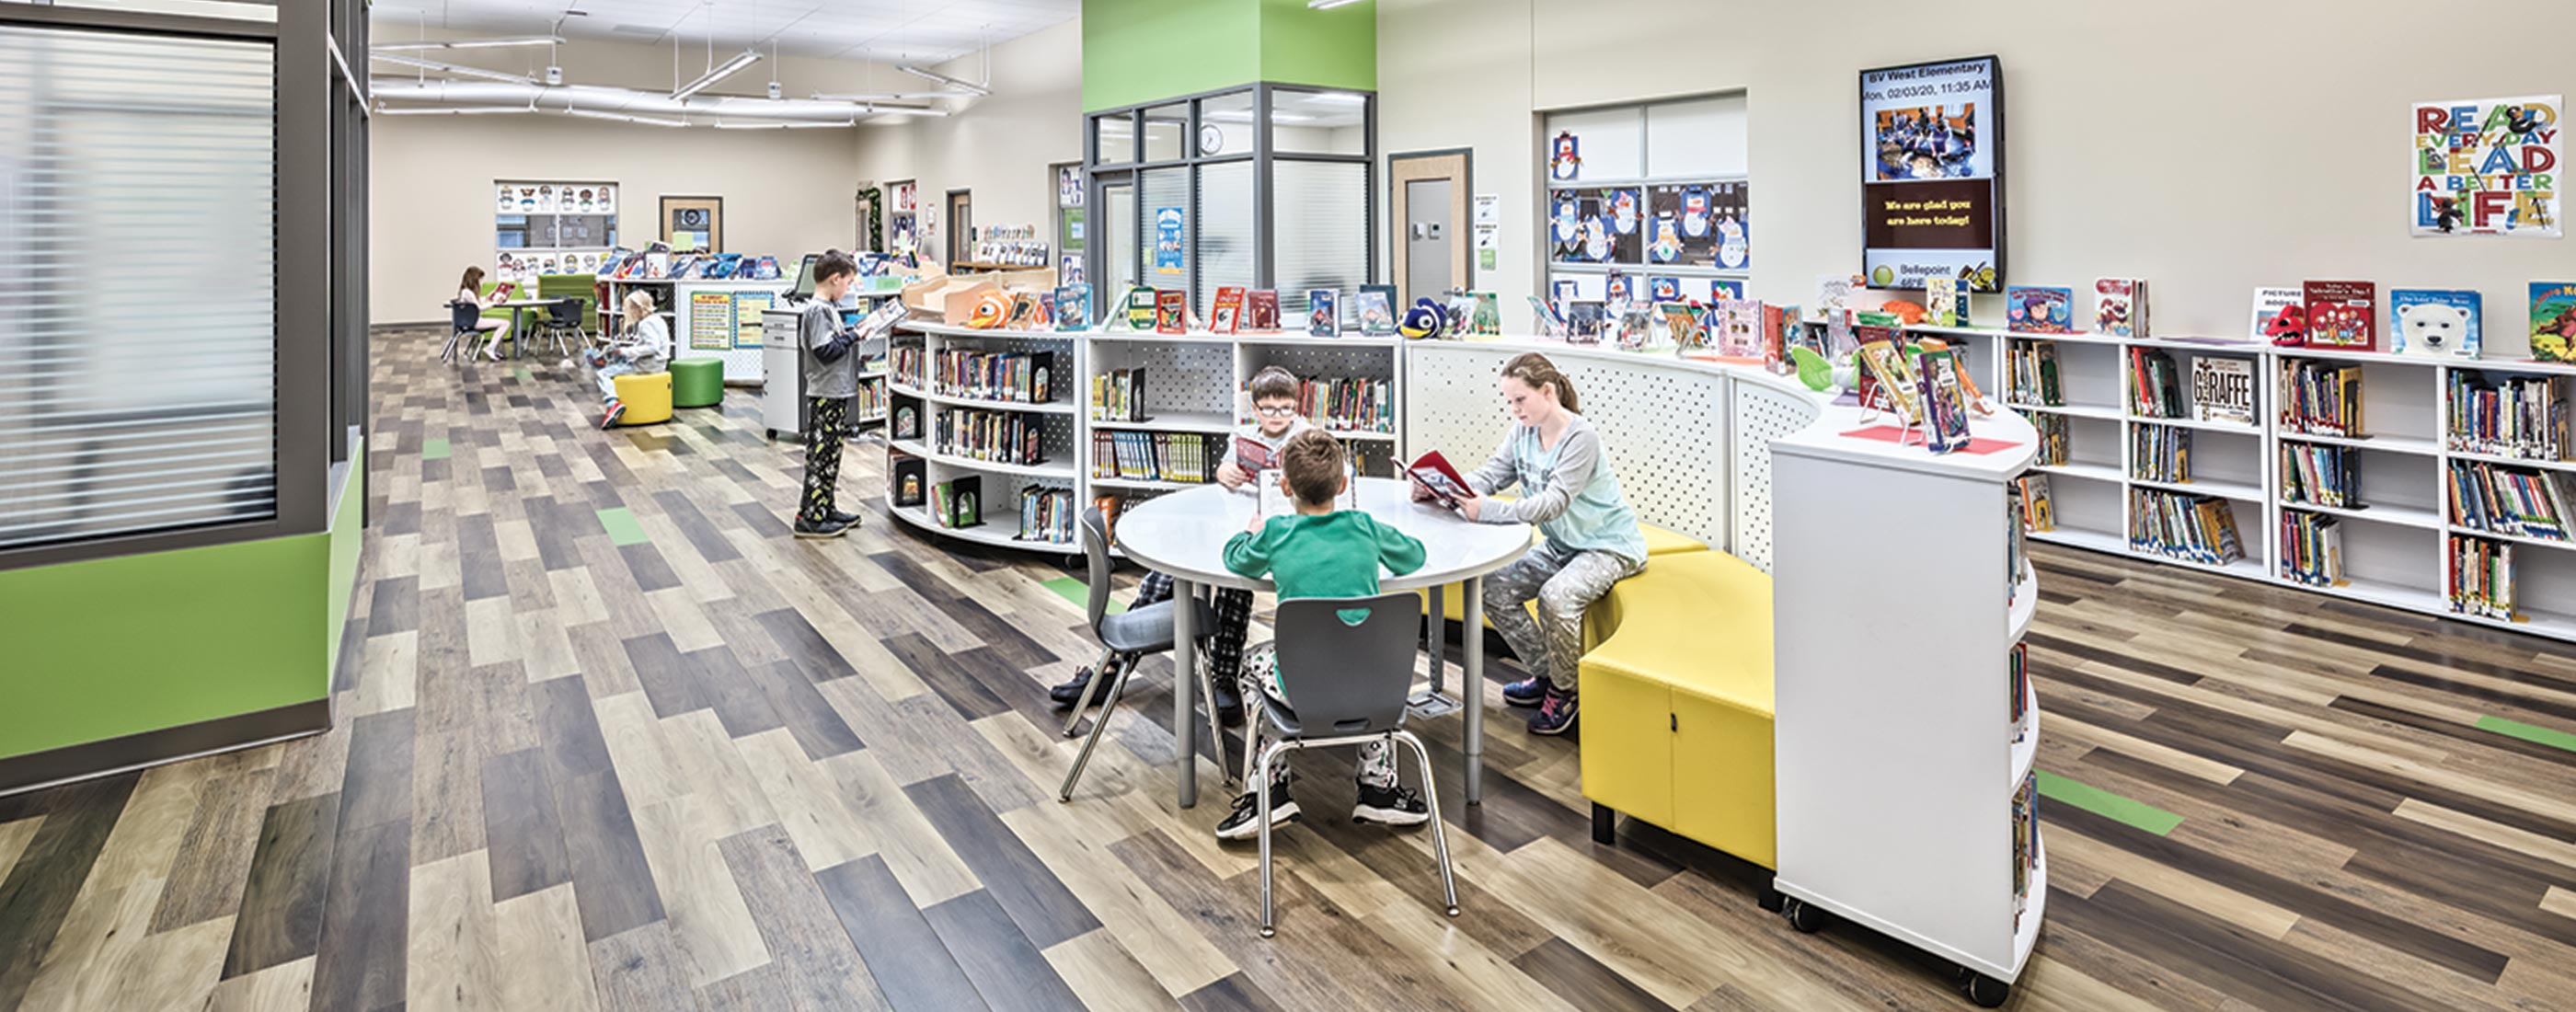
(786, 192)
(998, 146)
(2196, 144)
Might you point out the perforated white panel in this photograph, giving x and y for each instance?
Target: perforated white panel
(1762, 414)
(1664, 424)
(1181, 376)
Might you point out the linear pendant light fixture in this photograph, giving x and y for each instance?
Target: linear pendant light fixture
(625, 117)
(968, 87)
(731, 67)
(532, 40)
(462, 110)
(1325, 5)
(450, 68)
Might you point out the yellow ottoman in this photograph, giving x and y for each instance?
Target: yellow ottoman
(1659, 543)
(647, 396)
(1677, 704)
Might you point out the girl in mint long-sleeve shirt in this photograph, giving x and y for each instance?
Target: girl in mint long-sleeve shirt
(1319, 552)
(1591, 537)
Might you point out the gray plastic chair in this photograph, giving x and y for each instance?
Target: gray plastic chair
(1125, 639)
(1348, 664)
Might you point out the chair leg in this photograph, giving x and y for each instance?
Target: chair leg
(1244, 688)
(1099, 670)
(1439, 836)
(1216, 724)
(1261, 788)
(1099, 726)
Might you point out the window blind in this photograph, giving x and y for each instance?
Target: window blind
(1320, 241)
(1225, 230)
(137, 181)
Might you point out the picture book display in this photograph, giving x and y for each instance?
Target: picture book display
(2280, 316)
(2035, 309)
(1433, 472)
(2342, 314)
(1487, 318)
(1945, 304)
(2120, 307)
(1636, 326)
(1834, 293)
(1887, 382)
(1735, 328)
(2222, 389)
(1260, 311)
(1945, 402)
(1682, 324)
(1323, 312)
(1545, 317)
(1171, 311)
(1376, 316)
(1073, 307)
(1587, 321)
(1225, 314)
(2553, 321)
(1140, 307)
(2434, 323)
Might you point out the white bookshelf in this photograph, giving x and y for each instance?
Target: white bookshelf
(1059, 420)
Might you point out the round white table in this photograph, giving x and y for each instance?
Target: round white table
(1184, 534)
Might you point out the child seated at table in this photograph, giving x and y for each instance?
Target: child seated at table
(1256, 446)
(1320, 551)
(645, 347)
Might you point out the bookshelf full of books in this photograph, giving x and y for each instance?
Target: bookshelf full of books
(981, 434)
(2356, 493)
(1346, 385)
(2508, 484)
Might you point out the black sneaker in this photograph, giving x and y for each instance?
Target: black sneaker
(1066, 693)
(1244, 822)
(811, 531)
(1395, 806)
(1229, 702)
(1555, 715)
(847, 519)
(1526, 692)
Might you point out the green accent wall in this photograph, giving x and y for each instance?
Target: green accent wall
(112, 647)
(1138, 51)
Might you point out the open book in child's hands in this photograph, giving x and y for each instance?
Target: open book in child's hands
(1432, 471)
(1252, 456)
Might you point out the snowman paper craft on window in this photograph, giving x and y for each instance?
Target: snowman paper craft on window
(1565, 227)
(1563, 163)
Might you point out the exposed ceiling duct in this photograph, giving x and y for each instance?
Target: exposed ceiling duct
(645, 106)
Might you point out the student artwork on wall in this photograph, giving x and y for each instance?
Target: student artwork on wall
(1932, 173)
(2488, 166)
(1565, 159)
(1068, 186)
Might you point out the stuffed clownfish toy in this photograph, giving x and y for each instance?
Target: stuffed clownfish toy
(992, 309)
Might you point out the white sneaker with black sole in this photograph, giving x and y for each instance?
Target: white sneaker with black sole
(1244, 822)
(1393, 806)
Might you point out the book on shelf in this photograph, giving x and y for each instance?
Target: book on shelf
(1546, 318)
(2039, 309)
(2038, 509)
(2120, 307)
(2155, 385)
(2342, 314)
(1888, 382)
(1636, 325)
(1171, 311)
(1945, 303)
(2481, 578)
(1323, 312)
(1781, 330)
(908, 477)
(1834, 293)
(2311, 548)
(2507, 415)
(994, 437)
(2553, 321)
(2025, 842)
(2520, 501)
(1073, 307)
(1046, 514)
(2018, 664)
(1139, 302)
(2280, 316)
(1587, 321)
(2222, 389)
(958, 502)
(1032, 311)
(2434, 322)
(1735, 328)
(2032, 374)
(908, 360)
(1260, 311)
(1180, 457)
(1021, 377)
(1225, 313)
(2315, 474)
(2053, 448)
(1945, 402)
(2320, 398)
(2160, 453)
(2194, 528)
(2016, 543)
(1118, 395)
(1682, 324)
(905, 419)
(1348, 405)
(1376, 314)
(1486, 320)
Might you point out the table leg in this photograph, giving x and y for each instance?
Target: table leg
(1185, 659)
(1472, 694)
(1438, 627)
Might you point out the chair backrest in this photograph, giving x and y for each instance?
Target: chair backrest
(1095, 550)
(564, 312)
(1347, 662)
(463, 315)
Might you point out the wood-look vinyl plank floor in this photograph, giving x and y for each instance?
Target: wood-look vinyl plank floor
(723, 769)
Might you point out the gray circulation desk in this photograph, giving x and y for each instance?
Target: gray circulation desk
(1184, 534)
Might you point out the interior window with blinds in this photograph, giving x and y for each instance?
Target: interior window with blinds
(1225, 230)
(1319, 243)
(137, 179)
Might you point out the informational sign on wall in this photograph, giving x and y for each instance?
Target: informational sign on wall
(747, 307)
(1932, 173)
(1167, 240)
(711, 321)
(2488, 166)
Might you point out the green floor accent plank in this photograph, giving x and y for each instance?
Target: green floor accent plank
(2106, 804)
(622, 528)
(523, 374)
(2528, 732)
(433, 449)
(1079, 593)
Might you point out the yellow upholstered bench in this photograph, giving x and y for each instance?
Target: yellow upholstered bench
(1659, 543)
(1677, 704)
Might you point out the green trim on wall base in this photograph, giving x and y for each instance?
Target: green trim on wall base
(151, 748)
(1139, 51)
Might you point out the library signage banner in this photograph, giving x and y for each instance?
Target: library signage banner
(2488, 166)
(1932, 172)
(1167, 240)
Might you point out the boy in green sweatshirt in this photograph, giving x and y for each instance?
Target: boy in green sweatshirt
(1319, 552)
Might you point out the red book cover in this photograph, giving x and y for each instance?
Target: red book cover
(1261, 310)
(1225, 315)
(1432, 471)
(1251, 455)
(2342, 314)
(1171, 311)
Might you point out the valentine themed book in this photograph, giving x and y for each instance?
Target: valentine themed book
(1376, 316)
(2120, 307)
(1944, 303)
(2435, 322)
(1073, 307)
(2034, 309)
(1433, 472)
(1323, 312)
(2342, 314)
(1261, 311)
(2280, 316)
(1171, 311)
(1140, 307)
(2553, 321)
(1225, 315)
(1735, 328)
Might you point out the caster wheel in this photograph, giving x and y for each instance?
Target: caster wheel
(1769, 899)
(773, 435)
(1269, 933)
(1453, 911)
(1802, 916)
(1986, 991)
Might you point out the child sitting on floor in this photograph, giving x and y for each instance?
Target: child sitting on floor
(1320, 551)
(645, 348)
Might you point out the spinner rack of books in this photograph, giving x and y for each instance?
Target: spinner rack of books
(2439, 485)
(981, 434)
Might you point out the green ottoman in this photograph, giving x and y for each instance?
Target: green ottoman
(697, 382)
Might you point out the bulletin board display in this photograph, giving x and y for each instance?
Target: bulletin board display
(721, 320)
(551, 227)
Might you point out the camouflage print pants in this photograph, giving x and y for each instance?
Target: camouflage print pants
(827, 418)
